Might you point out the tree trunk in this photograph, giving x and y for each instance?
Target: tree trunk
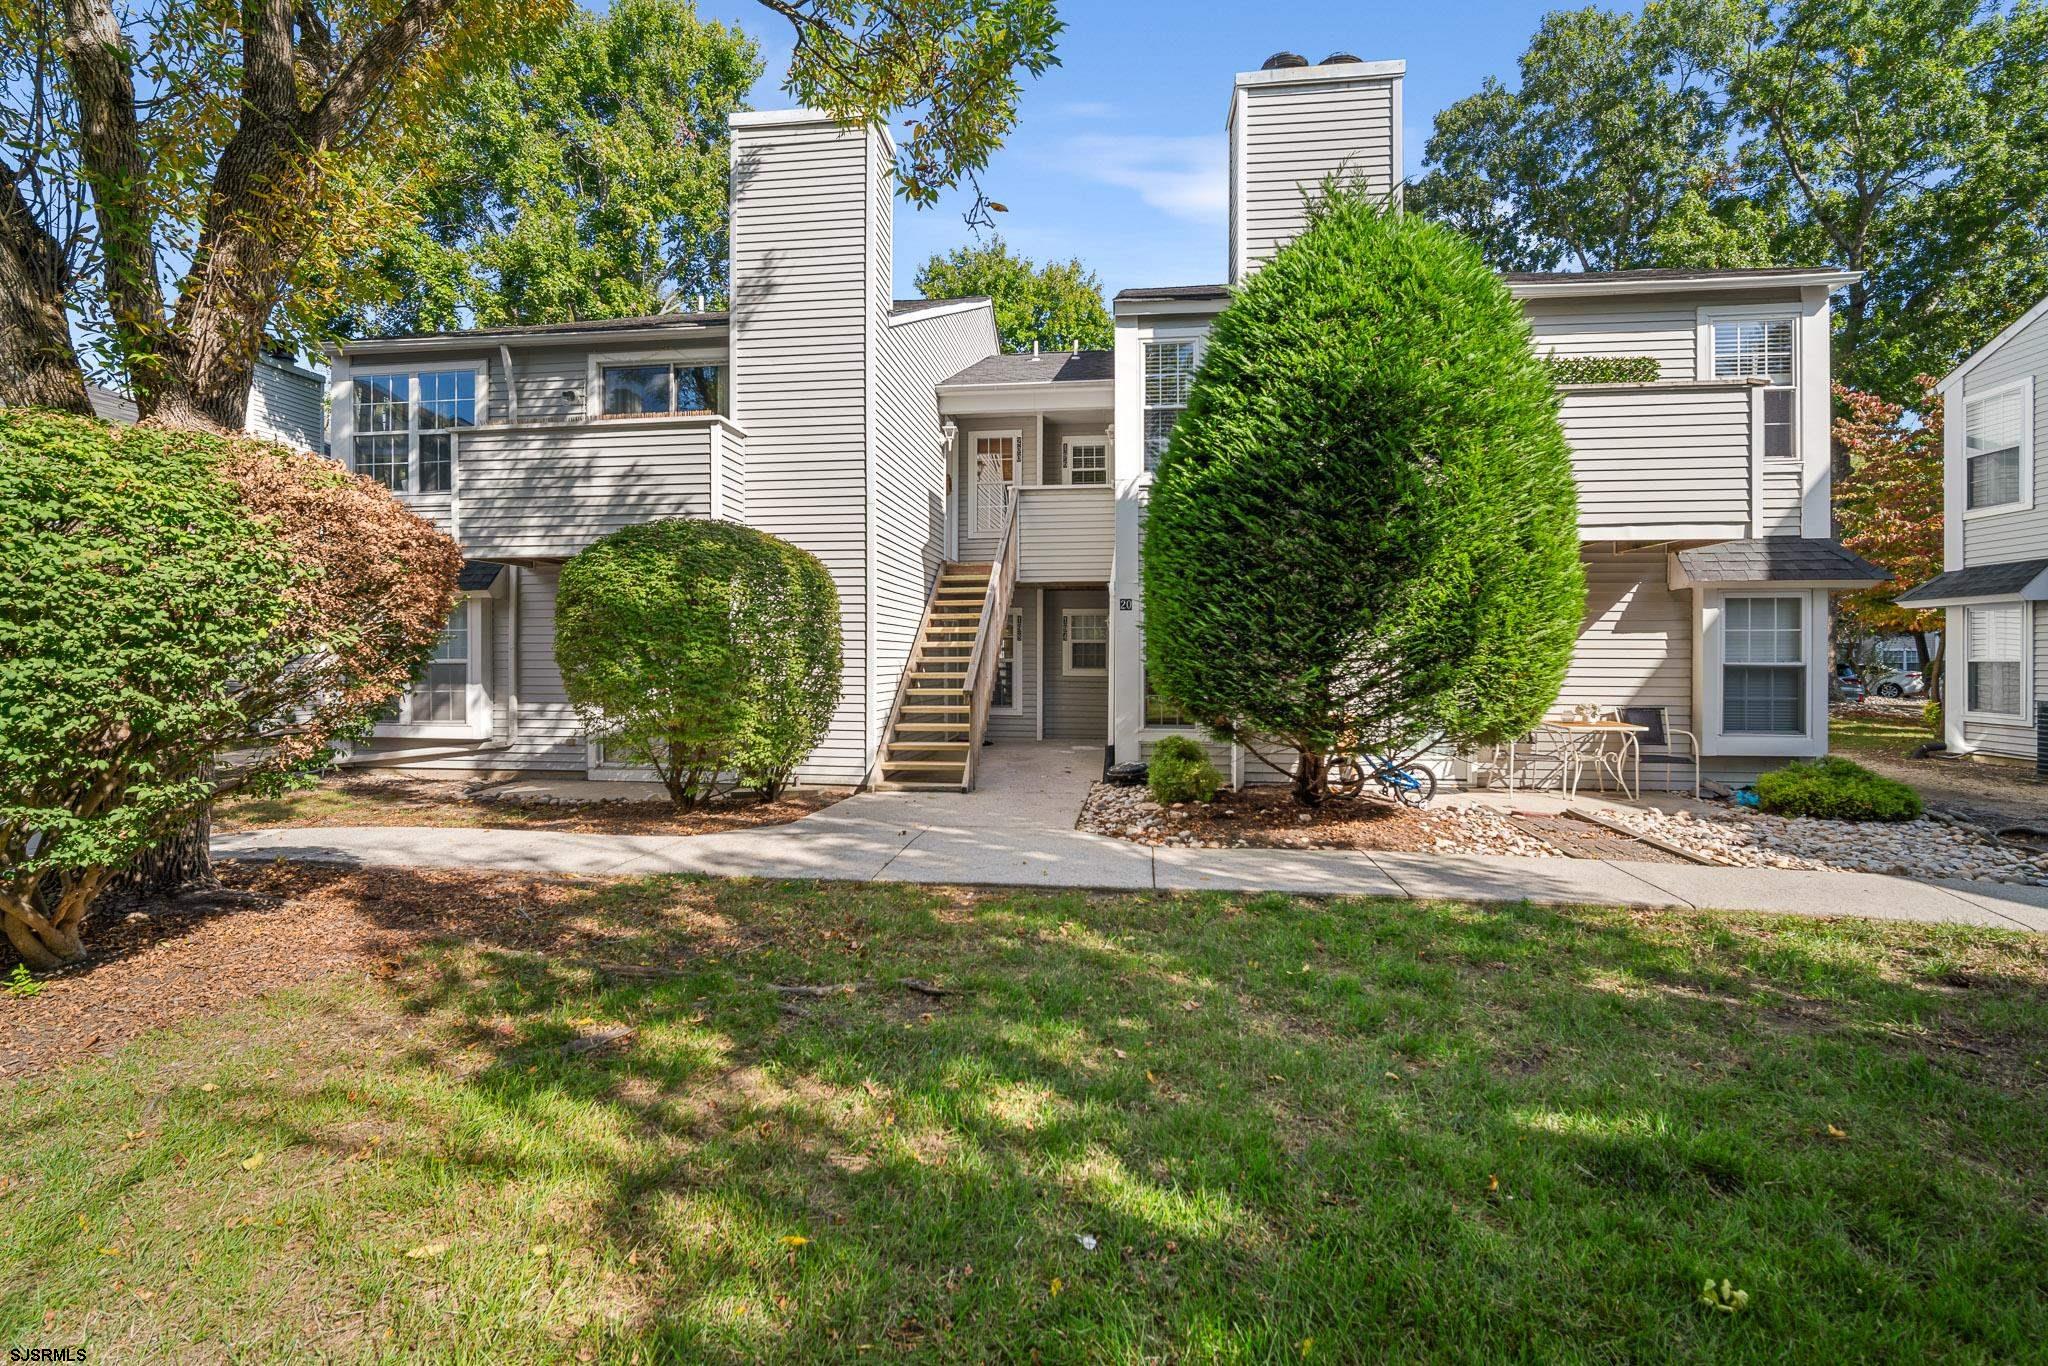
(47, 930)
(1311, 772)
(184, 859)
(38, 365)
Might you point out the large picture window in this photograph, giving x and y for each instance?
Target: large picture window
(1763, 652)
(1997, 448)
(408, 426)
(657, 388)
(1169, 376)
(1994, 651)
(1761, 348)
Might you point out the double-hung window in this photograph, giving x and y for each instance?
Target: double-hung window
(408, 427)
(655, 388)
(1994, 651)
(1998, 448)
(447, 696)
(1159, 711)
(1085, 460)
(1761, 348)
(1169, 375)
(1006, 696)
(1763, 670)
(1084, 641)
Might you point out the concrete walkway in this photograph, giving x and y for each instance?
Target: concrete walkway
(1017, 830)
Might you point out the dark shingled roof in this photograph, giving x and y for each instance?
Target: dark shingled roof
(1546, 277)
(478, 575)
(1051, 367)
(1778, 559)
(903, 308)
(1157, 292)
(650, 322)
(1984, 581)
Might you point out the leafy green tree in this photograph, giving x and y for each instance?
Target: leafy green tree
(1056, 305)
(181, 615)
(586, 182)
(1900, 139)
(1431, 506)
(705, 650)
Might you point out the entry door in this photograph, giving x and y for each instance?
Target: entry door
(995, 477)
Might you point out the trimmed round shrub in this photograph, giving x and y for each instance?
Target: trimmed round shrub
(1364, 529)
(181, 615)
(1180, 771)
(1835, 789)
(707, 651)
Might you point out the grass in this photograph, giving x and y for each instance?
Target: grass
(1293, 1130)
(1862, 735)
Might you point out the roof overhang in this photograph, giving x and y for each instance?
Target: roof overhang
(682, 330)
(1565, 286)
(1774, 561)
(2018, 581)
(1038, 396)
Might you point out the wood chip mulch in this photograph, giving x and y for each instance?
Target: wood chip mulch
(155, 969)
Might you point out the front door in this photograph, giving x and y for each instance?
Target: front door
(995, 477)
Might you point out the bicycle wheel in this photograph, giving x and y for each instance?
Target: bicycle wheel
(1345, 777)
(1417, 786)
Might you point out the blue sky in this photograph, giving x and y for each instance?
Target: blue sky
(1118, 157)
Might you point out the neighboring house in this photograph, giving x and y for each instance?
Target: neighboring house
(1994, 579)
(893, 440)
(287, 404)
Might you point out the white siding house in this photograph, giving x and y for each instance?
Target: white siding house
(1994, 583)
(984, 512)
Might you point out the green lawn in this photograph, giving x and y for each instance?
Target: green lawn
(1292, 1129)
(1861, 736)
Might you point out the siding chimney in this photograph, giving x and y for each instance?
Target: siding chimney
(1291, 126)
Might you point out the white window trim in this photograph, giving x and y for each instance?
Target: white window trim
(1067, 444)
(478, 706)
(412, 421)
(593, 383)
(1790, 313)
(1147, 727)
(1067, 669)
(967, 444)
(2024, 716)
(2025, 502)
(1016, 707)
(1198, 335)
(1711, 664)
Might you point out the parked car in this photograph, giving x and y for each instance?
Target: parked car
(1904, 683)
(1846, 687)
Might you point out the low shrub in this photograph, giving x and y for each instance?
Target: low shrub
(1931, 713)
(1181, 772)
(1603, 369)
(1835, 789)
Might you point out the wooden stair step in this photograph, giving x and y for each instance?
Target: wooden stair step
(924, 765)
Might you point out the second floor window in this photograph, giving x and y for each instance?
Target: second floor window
(1169, 375)
(408, 424)
(1761, 348)
(1087, 462)
(658, 387)
(1995, 448)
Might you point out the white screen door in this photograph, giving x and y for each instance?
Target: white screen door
(995, 470)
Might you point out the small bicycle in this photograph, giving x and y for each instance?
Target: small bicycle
(1408, 784)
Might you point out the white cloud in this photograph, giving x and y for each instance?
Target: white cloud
(1185, 177)
(1087, 109)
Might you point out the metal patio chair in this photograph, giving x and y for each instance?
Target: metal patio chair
(1654, 748)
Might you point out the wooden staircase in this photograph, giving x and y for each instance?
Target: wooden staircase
(934, 733)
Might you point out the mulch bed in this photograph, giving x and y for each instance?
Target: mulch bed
(152, 970)
(378, 800)
(1269, 818)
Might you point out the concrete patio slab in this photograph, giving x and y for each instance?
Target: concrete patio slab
(1305, 871)
(1547, 881)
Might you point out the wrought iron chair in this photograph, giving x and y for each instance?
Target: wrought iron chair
(1654, 746)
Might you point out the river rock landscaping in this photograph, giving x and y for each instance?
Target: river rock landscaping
(1925, 848)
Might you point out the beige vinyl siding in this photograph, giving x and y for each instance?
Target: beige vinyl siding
(801, 312)
(909, 536)
(1783, 495)
(547, 493)
(287, 404)
(1025, 426)
(1665, 330)
(1090, 427)
(1023, 723)
(1668, 455)
(1635, 649)
(1065, 535)
(1292, 138)
(732, 462)
(1076, 708)
(2004, 536)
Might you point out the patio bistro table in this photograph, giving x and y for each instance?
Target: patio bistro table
(1586, 742)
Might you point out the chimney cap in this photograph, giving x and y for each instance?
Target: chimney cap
(1281, 60)
(1337, 58)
